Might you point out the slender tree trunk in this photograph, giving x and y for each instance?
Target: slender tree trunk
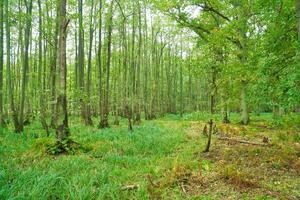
(99, 62)
(8, 67)
(133, 67)
(25, 64)
(225, 111)
(81, 62)
(88, 120)
(243, 29)
(298, 17)
(53, 73)
(244, 108)
(213, 89)
(76, 58)
(138, 72)
(181, 82)
(209, 136)
(169, 82)
(1, 62)
(145, 93)
(190, 95)
(62, 130)
(40, 63)
(104, 117)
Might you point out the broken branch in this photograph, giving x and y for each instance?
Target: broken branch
(242, 141)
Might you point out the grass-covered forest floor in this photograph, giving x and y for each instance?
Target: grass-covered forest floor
(161, 159)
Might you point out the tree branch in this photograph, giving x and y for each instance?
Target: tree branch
(208, 8)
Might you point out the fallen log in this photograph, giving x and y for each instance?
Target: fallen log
(243, 141)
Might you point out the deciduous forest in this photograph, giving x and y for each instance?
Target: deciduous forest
(149, 99)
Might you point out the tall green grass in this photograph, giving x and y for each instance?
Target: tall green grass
(116, 157)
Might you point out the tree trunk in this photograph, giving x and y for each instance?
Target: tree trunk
(88, 120)
(99, 62)
(298, 17)
(213, 90)
(25, 65)
(181, 82)
(81, 63)
(137, 118)
(62, 130)
(40, 85)
(225, 111)
(209, 136)
(244, 108)
(53, 70)
(105, 113)
(145, 87)
(8, 67)
(1, 63)
(132, 87)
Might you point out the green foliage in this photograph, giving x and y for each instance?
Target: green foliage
(114, 157)
(67, 146)
(206, 165)
(97, 172)
(43, 144)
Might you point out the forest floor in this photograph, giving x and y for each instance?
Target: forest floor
(161, 159)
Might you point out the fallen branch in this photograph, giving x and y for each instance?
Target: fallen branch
(242, 141)
(130, 187)
(183, 189)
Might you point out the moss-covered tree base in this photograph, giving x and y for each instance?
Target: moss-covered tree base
(104, 123)
(66, 146)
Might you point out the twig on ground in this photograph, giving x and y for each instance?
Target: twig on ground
(130, 187)
(243, 141)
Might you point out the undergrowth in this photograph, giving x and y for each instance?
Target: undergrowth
(159, 157)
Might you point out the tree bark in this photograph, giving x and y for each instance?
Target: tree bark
(99, 62)
(25, 64)
(244, 107)
(1, 63)
(40, 63)
(8, 67)
(181, 82)
(88, 119)
(209, 136)
(137, 118)
(213, 90)
(81, 63)
(62, 130)
(53, 70)
(298, 17)
(104, 118)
